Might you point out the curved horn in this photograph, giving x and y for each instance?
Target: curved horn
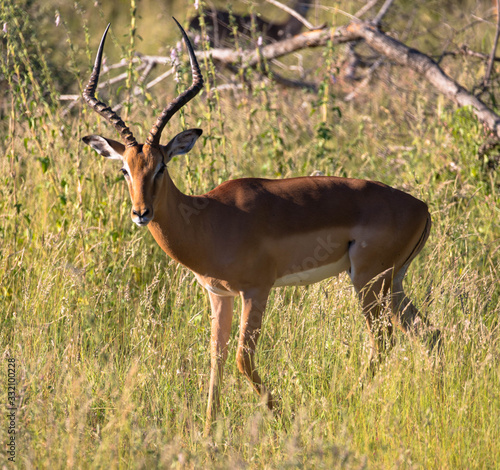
(155, 132)
(104, 110)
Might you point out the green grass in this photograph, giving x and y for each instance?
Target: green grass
(111, 338)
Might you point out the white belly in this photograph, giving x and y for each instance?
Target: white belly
(312, 275)
(214, 289)
(218, 291)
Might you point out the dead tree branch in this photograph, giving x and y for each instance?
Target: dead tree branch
(487, 75)
(251, 58)
(388, 47)
(428, 68)
(381, 43)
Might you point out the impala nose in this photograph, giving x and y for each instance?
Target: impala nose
(141, 218)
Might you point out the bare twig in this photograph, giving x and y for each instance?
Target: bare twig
(123, 63)
(146, 63)
(481, 20)
(383, 11)
(354, 59)
(161, 77)
(147, 70)
(465, 50)
(69, 97)
(487, 76)
(118, 78)
(292, 12)
(365, 80)
(369, 5)
(156, 59)
(152, 83)
(227, 86)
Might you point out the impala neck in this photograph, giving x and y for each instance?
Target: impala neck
(177, 224)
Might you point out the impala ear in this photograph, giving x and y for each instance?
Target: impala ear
(182, 143)
(106, 147)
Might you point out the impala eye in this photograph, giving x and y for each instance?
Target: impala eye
(125, 172)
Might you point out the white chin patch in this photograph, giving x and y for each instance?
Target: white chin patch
(141, 223)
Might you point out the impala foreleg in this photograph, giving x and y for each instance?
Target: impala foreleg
(222, 315)
(253, 306)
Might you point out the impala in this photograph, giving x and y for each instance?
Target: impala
(249, 235)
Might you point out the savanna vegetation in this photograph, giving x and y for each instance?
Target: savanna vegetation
(111, 339)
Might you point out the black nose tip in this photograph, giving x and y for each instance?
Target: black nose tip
(138, 214)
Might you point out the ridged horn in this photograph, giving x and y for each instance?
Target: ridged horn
(174, 106)
(104, 110)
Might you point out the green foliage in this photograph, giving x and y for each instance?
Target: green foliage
(111, 339)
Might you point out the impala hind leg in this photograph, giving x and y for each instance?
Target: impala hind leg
(221, 318)
(253, 306)
(380, 328)
(406, 316)
(372, 294)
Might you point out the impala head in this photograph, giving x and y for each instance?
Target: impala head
(143, 165)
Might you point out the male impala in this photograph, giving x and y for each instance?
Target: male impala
(249, 235)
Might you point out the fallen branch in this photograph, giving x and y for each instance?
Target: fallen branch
(381, 43)
(251, 58)
(428, 68)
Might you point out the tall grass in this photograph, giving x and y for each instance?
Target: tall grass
(111, 338)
